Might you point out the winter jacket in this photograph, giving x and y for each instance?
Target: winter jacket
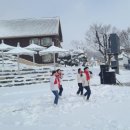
(53, 83)
(85, 82)
(87, 74)
(79, 78)
(59, 78)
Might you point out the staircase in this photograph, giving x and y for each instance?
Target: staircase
(26, 62)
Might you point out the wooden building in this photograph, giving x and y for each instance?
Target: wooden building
(43, 32)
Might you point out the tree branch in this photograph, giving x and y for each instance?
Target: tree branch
(98, 39)
(101, 51)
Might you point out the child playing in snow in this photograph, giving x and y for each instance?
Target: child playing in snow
(79, 79)
(54, 86)
(86, 82)
(59, 76)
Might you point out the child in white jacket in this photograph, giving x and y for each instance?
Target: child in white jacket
(79, 80)
(54, 86)
(86, 82)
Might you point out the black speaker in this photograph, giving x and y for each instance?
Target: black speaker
(101, 74)
(128, 61)
(109, 78)
(114, 64)
(104, 68)
(114, 43)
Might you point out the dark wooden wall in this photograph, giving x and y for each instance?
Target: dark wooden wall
(13, 41)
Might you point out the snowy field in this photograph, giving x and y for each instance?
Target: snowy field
(30, 107)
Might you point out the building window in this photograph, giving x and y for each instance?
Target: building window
(46, 42)
(35, 41)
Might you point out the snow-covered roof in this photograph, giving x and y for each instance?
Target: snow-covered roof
(29, 27)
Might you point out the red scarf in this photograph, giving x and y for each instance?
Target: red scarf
(55, 82)
(87, 74)
(58, 80)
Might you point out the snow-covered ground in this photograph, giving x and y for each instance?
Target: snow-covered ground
(30, 107)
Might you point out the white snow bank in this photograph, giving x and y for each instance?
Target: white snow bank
(31, 107)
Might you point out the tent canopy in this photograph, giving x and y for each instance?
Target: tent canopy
(4, 46)
(20, 51)
(35, 47)
(52, 49)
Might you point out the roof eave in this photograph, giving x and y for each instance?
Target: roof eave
(27, 36)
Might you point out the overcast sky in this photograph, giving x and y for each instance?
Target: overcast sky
(76, 15)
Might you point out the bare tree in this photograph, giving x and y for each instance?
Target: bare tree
(125, 38)
(97, 38)
(88, 50)
(78, 44)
